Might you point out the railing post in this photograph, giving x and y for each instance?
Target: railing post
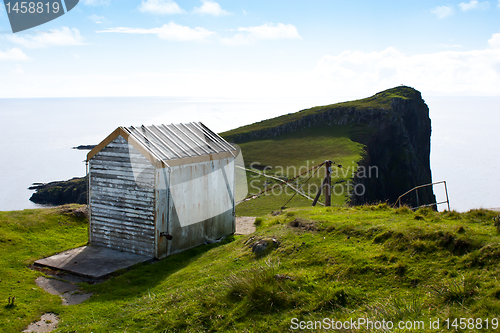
(416, 194)
(446, 190)
(328, 183)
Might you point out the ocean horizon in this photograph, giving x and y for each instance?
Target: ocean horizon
(38, 135)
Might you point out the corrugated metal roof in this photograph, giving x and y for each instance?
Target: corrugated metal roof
(168, 142)
(172, 142)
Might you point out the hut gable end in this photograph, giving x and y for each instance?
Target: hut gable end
(122, 198)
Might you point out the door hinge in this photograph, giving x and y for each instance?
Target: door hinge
(166, 234)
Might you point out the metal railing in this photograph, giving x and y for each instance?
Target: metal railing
(416, 193)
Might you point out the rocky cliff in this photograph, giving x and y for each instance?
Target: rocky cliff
(397, 131)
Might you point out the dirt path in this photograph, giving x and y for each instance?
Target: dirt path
(245, 225)
(65, 286)
(69, 293)
(48, 322)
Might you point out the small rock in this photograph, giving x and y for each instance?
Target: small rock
(282, 277)
(259, 246)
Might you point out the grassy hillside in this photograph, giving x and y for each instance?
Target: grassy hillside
(286, 153)
(380, 100)
(26, 236)
(293, 153)
(340, 263)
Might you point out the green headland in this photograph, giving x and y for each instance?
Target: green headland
(349, 261)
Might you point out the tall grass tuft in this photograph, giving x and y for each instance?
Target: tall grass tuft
(403, 210)
(453, 291)
(259, 288)
(396, 308)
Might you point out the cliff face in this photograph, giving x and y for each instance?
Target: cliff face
(400, 149)
(397, 148)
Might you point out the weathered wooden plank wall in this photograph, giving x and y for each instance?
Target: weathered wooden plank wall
(122, 199)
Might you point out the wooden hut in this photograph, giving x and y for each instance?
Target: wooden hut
(161, 189)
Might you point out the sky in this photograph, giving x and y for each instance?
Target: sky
(255, 49)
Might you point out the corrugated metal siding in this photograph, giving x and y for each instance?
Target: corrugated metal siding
(209, 200)
(122, 199)
(162, 212)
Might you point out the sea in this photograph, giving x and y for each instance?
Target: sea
(38, 135)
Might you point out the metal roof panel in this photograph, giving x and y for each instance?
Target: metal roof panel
(190, 141)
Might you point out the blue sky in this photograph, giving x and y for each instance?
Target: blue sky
(255, 49)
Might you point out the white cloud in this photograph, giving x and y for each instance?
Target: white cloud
(160, 7)
(349, 73)
(267, 31)
(210, 7)
(58, 37)
(451, 72)
(498, 4)
(13, 54)
(495, 41)
(444, 72)
(443, 11)
(474, 4)
(170, 31)
(97, 19)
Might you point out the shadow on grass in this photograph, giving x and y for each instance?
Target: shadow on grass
(142, 277)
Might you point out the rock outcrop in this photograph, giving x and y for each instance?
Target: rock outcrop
(61, 192)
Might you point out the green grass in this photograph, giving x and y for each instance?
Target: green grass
(337, 262)
(313, 145)
(293, 153)
(26, 236)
